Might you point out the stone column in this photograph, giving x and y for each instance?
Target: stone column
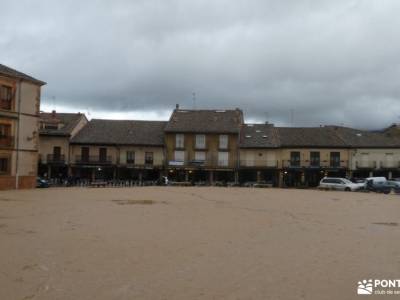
(236, 177)
(390, 174)
(48, 171)
(69, 171)
(280, 179)
(371, 174)
(258, 176)
(211, 174)
(140, 177)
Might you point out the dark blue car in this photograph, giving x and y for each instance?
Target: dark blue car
(42, 183)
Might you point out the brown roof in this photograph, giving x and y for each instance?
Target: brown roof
(267, 136)
(355, 138)
(258, 136)
(121, 132)
(9, 72)
(205, 121)
(309, 137)
(68, 120)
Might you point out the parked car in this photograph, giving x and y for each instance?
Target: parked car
(394, 185)
(42, 183)
(341, 184)
(378, 185)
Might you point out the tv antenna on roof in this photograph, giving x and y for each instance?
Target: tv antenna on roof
(292, 117)
(194, 100)
(53, 102)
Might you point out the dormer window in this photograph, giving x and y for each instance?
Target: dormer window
(51, 126)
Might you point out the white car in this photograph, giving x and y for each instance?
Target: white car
(341, 184)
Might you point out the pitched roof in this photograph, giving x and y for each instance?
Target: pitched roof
(309, 137)
(121, 132)
(68, 121)
(365, 139)
(9, 72)
(205, 121)
(258, 136)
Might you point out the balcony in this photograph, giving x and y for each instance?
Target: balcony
(5, 104)
(390, 164)
(211, 161)
(93, 160)
(55, 159)
(6, 141)
(258, 163)
(365, 165)
(324, 164)
(148, 164)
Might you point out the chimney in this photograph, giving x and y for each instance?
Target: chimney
(53, 114)
(177, 106)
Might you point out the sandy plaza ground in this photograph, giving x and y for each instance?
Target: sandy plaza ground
(195, 243)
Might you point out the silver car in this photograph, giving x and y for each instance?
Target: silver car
(341, 184)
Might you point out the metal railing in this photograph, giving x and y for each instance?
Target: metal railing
(207, 163)
(5, 104)
(58, 158)
(93, 160)
(366, 164)
(390, 164)
(6, 141)
(314, 164)
(265, 163)
(145, 164)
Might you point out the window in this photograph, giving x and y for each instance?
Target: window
(179, 155)
(5, 97)
(85, 154)
(295, 159)
(335, 159)
(130, 157)
(200, 155)
(389, 161)
(102, 154)
(148, 158)
(50, 126)
(223, 141)
(223, 159)
(56, 153)
(5, 135)
(314, 159)
(180, 141)
(5, 130)
(200, 141)
(4, 164)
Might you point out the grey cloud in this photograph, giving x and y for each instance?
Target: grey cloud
(328, 61)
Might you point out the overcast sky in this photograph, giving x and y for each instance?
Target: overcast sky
(322, 62)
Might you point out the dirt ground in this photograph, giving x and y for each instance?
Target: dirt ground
(195, 243)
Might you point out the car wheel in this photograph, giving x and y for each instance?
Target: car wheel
(347, 189)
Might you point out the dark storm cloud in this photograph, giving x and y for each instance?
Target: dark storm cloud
(324, 61)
